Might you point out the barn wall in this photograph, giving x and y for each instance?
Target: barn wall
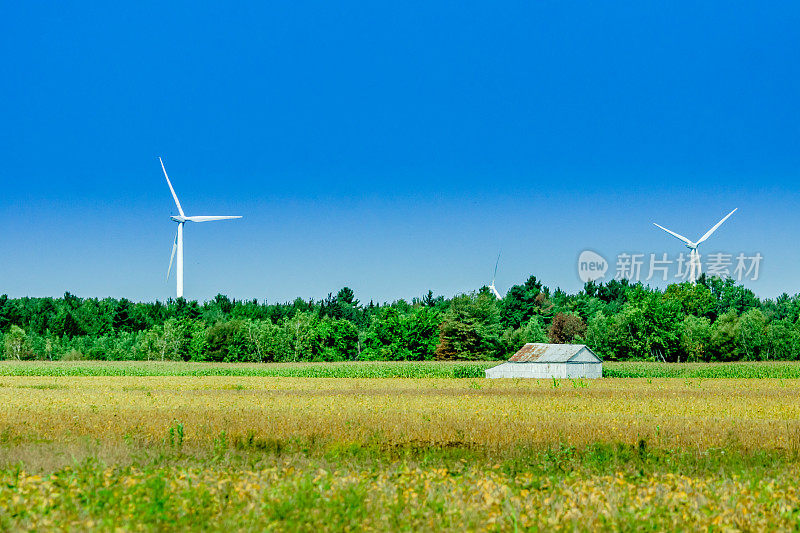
(584, 370)
(546, 370)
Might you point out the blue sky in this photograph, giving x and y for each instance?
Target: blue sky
(393, 148)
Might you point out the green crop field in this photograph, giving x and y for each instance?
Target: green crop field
(384, 369)
(399, 369)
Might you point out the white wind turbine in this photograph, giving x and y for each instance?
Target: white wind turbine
(694, 256)
(182, 219)
(492, 287)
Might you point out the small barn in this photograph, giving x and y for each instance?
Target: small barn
(540, 360)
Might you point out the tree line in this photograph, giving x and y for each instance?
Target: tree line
(712, 320)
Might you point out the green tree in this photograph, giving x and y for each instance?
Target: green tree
(16, 344)
(267, 342)
(471, 329)
(730, 297)
(752, 335)
(782, 340)
(533, 331)
(169, 342)
(395, 336)
(525, 301)
(694, 298)
(565, 328)
(336, 340)
(302, 334)
(695, 338)
(226, 342)
(724, 345)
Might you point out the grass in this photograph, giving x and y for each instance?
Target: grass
(296, 454)
(298, 493)
(385, 369)
(669, 413)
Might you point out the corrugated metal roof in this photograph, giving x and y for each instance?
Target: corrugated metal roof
(536, 352)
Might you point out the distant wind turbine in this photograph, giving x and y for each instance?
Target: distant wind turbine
(492, 287)
(177, 246)
(694, 256)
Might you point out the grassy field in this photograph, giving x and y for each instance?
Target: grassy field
(216, 452)
(384, 369)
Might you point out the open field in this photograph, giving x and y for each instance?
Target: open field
(250, 452)
(356, 369)
(385, 369)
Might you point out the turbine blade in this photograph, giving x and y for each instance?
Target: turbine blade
(172, 257)
(175, 196)
(681, 237)
(712, 230)
(496, 293)
(495, 267)
(210, 218)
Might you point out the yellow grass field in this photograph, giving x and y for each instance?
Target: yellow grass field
(753, 414)
(442, 454)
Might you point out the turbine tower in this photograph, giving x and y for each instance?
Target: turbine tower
(492, 287)
(177, 246)
(694, 256)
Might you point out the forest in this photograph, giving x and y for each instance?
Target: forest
(712, 320)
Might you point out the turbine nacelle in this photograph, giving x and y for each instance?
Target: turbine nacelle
(177, 218)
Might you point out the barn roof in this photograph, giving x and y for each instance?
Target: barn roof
(537, 352)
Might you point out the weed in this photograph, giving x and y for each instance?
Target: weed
(174, 437)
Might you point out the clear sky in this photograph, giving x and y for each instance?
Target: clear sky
(391, 147)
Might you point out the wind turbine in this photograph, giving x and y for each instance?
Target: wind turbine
(492, 287)
(694, 256)
(177, 246)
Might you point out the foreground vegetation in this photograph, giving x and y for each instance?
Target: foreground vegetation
(289, 492)
(714, 320)
(221, 452)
